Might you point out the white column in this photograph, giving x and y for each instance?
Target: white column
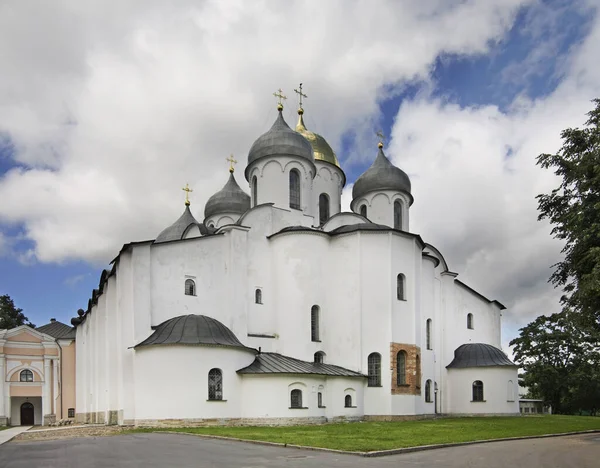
(3, 409)
(55, 371)
(46, 403)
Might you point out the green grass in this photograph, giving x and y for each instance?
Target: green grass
(369, 436)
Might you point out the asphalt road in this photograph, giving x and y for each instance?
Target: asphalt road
(171, 450)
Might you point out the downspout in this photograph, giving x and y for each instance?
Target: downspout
(60, 361)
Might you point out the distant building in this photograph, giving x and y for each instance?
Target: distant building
(533, 406)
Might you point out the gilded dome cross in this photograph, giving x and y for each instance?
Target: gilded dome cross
(381, 138)
(279, 94)
(231, 163)
(300, 94)
(187, 191)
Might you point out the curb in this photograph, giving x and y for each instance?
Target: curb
(379, 453)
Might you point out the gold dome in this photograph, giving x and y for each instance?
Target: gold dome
(321, 148)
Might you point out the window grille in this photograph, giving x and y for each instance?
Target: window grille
(374, 370)
(71, 413)
(478, 390)
(296, 399)
(215, 384)
(294, 189)
(26, 376)
(398, 215)
(400, 287)
(323, 208)
(348, 401)
(428, 392)
(401, 368)
(314, 323)
(190, 287)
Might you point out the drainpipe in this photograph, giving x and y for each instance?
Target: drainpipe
(60, 367)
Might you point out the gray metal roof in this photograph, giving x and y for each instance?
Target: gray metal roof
(273, 363)
(230, 199)
(280, 140)
(58, 330)
(478, 355)
(192, 330)
(382, 175)
(178, 229)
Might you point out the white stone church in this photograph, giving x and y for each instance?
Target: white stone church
(278, 308)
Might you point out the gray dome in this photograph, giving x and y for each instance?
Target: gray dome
(478, 355)
(382, 175)
(178, 229)
(230, 199)
(280, 140)
(192, 330)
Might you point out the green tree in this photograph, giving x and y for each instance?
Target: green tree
(11, 316)
(573, 208)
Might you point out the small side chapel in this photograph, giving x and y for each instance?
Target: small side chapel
(272, 306)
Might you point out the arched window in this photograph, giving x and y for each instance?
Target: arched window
(428, 333)
(254, 191)
(215, 384)
(314, 323)
(400, 280)
(320, 400)
(428, 392)
(470, 321)
(478, 390)
(319, 357)
(348, 401)
(295, 189)
(190, 287)
(363, 210)
(398, 214)
(323, 208)
(418, 371)
(374, 370)
(510, 394)
(401, 368)
(296, 398)
(258, 296)
(26, 376)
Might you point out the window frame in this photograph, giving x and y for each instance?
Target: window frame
(398, 215)
(188, 282)
(428, 398)
(477, 391)
(295, 191)
(401, 357)
(296, 403)
(401, 287)
(215, 384)
(374, 370)
(348, 401)
(320, 400)
(26, 375)
(319, 357)
(315, 322)
(71, 413)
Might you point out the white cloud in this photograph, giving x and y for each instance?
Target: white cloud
(112, 107)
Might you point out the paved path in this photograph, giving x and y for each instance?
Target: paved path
(173, 451)
(7, 434)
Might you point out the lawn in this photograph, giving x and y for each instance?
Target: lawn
(369, 436)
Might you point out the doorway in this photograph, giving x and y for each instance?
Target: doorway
(27, 418)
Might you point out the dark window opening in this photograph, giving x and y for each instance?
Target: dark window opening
(215, 384)
(363, 210)
(374, 370)
(190, 287)
(258, 296)
(398, 215)
(478, 390)
(314, 323)
(320, 400)
(319, 357)
(428, 392)
(323, 208)
(470, 321)
(254, 191)
(294, 189)
(26, 376)
(348, 401)
(296, 399)
(428, 333)
(71, 413)
(401, 368)
(400, 287)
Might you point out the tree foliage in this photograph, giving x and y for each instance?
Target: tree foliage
(11, 316)
(573, 208)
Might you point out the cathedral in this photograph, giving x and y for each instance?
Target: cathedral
(275, 307)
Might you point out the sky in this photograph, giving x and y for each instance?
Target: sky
(107, 108)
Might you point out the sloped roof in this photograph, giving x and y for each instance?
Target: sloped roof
(478, 355)
(192, 330)
(58, 329)
(274, 363)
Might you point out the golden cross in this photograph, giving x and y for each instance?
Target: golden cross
(231, 163)
(279, 94)
(187, 191)
(381, 138)
(300, 94)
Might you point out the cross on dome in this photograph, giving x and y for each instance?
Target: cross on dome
(187, 191)
(279, 94)
(300, 96)
(231, 163)
(381, 139)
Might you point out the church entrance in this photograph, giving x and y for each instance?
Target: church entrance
(27, 414)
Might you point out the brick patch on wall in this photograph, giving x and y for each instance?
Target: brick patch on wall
(413, 369)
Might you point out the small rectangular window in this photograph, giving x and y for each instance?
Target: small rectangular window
(71, 413)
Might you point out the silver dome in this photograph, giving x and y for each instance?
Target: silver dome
(178, 229)
(230, 199)
(382, 175)
(280, 140)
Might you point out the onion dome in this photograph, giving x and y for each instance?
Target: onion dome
(230, 199)
(192, 330)
(280, 140)
(321, 148)
(382, 175)
(180, 227)
(478, 355)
